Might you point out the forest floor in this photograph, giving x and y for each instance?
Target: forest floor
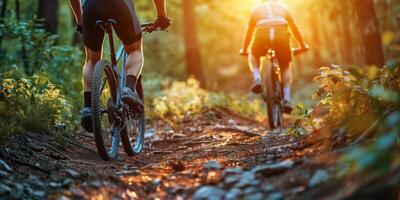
(215, 155)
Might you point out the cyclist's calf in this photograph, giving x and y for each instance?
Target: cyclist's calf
(92, 58)
(134, 62)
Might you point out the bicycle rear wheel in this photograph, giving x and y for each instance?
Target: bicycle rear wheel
(273, 93)
(106, 127)
(132, 135)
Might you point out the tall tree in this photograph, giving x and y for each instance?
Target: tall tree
(367, 23)
(345, 21)
(48, 10)
(193, 58)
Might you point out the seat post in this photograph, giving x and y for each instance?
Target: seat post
(112, 50)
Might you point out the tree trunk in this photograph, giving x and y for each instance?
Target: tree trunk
(193, 58)
(48, 10)
(2, 16)
(368, 26)
(316, 39)
(346, 22)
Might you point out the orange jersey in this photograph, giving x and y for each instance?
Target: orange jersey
(271, 14)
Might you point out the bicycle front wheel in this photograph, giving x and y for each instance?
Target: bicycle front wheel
(106, 126)
(273, 92)
(132, 135)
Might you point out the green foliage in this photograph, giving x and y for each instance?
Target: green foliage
(43, 54)
(34, 104)
(181, 98)
(364, 103)
(305, 123)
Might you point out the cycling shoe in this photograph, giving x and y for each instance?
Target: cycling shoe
(256, 87)
(86, 119)
(287, 107)
(136, 105)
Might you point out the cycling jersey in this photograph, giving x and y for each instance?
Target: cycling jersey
(122, 11)
(269, 23)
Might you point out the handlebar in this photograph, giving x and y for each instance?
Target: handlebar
(151, 27)
(299, 51)
(296, 51)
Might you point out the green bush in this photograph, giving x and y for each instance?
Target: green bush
(33, 104)
(180, 98)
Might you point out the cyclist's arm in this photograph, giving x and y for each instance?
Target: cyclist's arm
(76, 9)
(160, 6)
(249, 33)
(298, 35)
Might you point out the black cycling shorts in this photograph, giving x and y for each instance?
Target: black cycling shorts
(123, 12)
(281, 44)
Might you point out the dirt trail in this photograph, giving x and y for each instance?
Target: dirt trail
(216, 154)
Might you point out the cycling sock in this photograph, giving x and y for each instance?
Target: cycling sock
(131, 82)
(286, 93)
(87, 96)
(256, 74)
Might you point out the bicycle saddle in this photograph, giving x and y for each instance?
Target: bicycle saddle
(108, 22)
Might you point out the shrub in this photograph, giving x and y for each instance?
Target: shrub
(34, 104)
(180, 98)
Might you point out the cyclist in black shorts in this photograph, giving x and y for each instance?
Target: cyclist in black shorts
(127, 28)
(266, 17)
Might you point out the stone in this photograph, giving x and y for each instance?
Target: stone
(231, 180)
(128, 173)
(250, 190)
(271, 169)
(3, 174)
(233, 194)
(63, 197)
(72, 173)
(254, 196)
(77, 193)
(275, 196)
(4, 189)
(235, 170)
(67, 182)
(156, 182)
(212, 165)
(4, 166)
(39, 194)
(96, 184)
(319, 177)
(247, 178)
(36, 182)
(55, 184)
(209, 193)
(266, 187)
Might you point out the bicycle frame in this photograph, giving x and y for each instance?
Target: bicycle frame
(115, 58)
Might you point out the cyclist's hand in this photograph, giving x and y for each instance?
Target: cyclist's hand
(162, 22)
(305, 47)
(243, 52)
(78, 28)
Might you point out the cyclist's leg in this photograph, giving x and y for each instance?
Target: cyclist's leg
(254, 64)
(134, 62)
(259, 48)
(287, 80)
(93, 40)
(284, 55)
(129, 31)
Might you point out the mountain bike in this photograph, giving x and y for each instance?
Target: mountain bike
(112, 119)
(272, 87)
(273, 90)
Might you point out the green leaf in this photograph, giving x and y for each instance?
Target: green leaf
(300, 106)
